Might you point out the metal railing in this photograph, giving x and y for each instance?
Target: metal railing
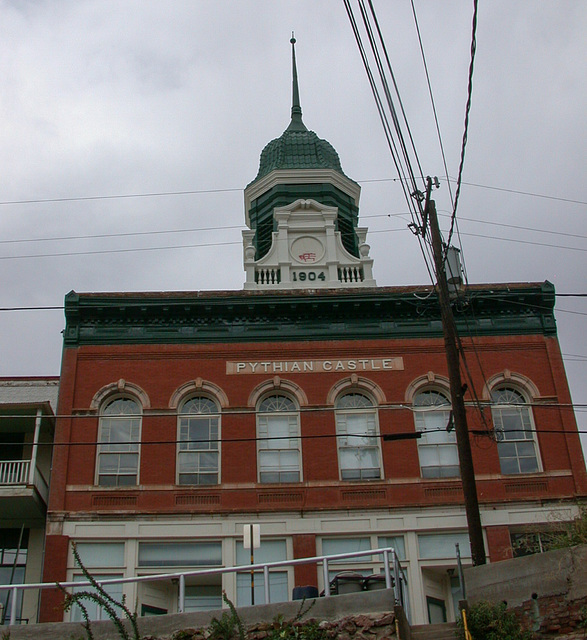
(394, 577)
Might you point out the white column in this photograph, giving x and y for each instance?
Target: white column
(33, 464)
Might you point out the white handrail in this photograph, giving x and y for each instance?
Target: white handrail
(181, 576)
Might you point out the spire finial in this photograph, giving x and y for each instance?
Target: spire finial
(296, 123)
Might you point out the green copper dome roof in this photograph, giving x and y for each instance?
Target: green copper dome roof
(297, 147)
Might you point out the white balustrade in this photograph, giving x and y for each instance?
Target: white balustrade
(14, 471)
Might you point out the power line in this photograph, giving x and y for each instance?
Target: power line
(117, 196)
(515, 226)
(132, 250)
(518, 241)
(466, 128)
(234, 189)
(401, 435)
(238, 242)
(90, 414)
(121, 235)
(232, 227)
(485, 186)
(432, 99)
(523, 193)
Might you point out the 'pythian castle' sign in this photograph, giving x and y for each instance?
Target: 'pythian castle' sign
(315, 366)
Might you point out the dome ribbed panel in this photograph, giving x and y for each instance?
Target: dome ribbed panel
(298, 150)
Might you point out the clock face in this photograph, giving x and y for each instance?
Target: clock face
(307, 250)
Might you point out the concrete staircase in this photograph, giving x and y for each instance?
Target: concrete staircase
(445, 631)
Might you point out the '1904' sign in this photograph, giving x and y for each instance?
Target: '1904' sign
(315, 366)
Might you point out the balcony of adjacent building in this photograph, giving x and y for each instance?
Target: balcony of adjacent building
(26, 434)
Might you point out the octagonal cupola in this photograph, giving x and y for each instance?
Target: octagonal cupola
(302, 213)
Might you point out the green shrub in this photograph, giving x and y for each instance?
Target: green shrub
(228, 625)
(488, 621)
(571, 533)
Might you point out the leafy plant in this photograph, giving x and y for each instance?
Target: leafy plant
(228, 625)
(296, 630)
(583, 621)
(570, 533)
(489, 621)
(103, 600)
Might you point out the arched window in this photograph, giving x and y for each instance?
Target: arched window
(437, 446)
(514, 428)
(118, 438)
(357, 437)
(278, 427)
(199, 437)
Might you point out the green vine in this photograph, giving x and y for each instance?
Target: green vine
(103, 600)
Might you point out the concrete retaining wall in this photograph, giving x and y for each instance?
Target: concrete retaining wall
(334, 608)
(548, 591)
(556, 573)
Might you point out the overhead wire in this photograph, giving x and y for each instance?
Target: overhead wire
(407, 435)
(416, 213)
(466, 126)
(443, 155)
(93, 236)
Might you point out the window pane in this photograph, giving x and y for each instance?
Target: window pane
(122, 406)
(512, 421)
(448, 455)
(179, 554)
(278, 588)
(279, 444)
(334, 546)
(353, 401)
(509, 465)
(277, 402)
(203, 597)
(442, 545)
(119, 435)
(437, 449)
(528, 465)
(101, 554)
(269, 551)
(397, 542)
(114, 590)
(198, 459)
(200, 405)
(358, 446)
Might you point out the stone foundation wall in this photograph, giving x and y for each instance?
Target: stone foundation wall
(358, 627)
(555, 616)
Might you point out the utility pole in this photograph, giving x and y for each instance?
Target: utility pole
(456, 387)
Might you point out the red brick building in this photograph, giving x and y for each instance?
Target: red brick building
(184, 416)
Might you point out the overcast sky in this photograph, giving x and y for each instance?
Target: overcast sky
(108, 98)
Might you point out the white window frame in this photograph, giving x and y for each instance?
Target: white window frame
(281, 447)
(285, 572)
(366, 565)
(108, 567)
(182, 450)
(525, 436)
(347, 442)
(131, 446)
(166, 562)
(431, 417)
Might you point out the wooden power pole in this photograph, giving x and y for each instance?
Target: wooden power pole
(456, 388)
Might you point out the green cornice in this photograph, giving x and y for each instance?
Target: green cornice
(253, 316)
